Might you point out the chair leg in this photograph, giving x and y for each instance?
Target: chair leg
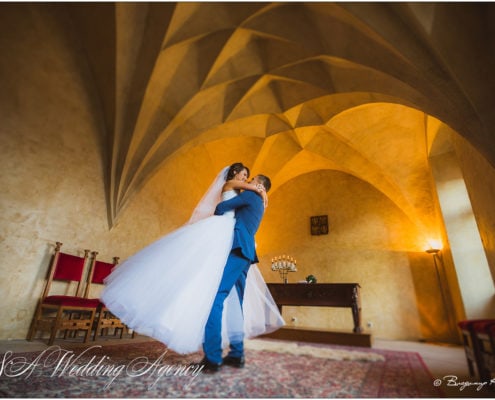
(490, 359)
(32, 331)
(469, 351)
(478, 358)
(90, 326)
(55, 327)
(484, 345)
(34, 323)
(97, 325)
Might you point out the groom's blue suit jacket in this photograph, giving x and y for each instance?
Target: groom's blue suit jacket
(249, 210)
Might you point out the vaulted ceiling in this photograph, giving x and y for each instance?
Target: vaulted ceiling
(344, 86)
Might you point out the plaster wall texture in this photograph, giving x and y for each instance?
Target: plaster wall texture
(466, 247)
(481, 192)
(369, 242)
(481, 189)
(52, 175)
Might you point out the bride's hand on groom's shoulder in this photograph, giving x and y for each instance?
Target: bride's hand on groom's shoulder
(264, 196)
(262, 192)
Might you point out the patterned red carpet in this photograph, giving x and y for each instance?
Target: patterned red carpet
(147, 369)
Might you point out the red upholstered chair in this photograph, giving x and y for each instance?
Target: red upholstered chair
(66, 313)
(484, 331)
(472, 345)
(490, 358)
(104, 319)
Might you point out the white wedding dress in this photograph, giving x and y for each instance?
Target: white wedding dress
(166, 290)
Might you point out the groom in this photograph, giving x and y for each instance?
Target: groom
(249, 210)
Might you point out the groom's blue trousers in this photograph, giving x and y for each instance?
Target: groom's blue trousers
(234, 275)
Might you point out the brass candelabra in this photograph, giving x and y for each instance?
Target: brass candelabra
(284, 264)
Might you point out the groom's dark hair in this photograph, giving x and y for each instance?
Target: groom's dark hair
(265, 181)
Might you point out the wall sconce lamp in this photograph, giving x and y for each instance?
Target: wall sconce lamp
(435, 252)
(437, 255)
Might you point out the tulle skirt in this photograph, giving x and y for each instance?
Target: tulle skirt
(166, 290)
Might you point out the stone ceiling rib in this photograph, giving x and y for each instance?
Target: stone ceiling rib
(280, 93)
(187, 74)
(250, 52)
(170, 88)
(136, 56)
(196, 19)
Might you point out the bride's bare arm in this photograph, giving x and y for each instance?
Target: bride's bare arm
(240, 185)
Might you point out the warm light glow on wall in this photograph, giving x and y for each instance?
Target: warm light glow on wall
(434, 244)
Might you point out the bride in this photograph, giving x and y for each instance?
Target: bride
(166, 290)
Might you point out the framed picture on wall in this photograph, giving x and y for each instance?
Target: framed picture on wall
(319, 225)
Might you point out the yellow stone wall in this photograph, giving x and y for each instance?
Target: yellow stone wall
(370, 242)
(479, 176)
(51, 172)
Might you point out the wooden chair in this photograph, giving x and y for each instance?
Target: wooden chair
(490, 357)
(471, 345)
(68, 313)
(104, 320)
(483, 332)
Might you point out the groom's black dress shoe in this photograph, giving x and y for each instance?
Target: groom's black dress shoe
(208, 366)
(237, 362)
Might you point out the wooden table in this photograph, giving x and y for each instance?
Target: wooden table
(319, 295)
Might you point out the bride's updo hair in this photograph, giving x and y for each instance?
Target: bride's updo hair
(235, 169)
